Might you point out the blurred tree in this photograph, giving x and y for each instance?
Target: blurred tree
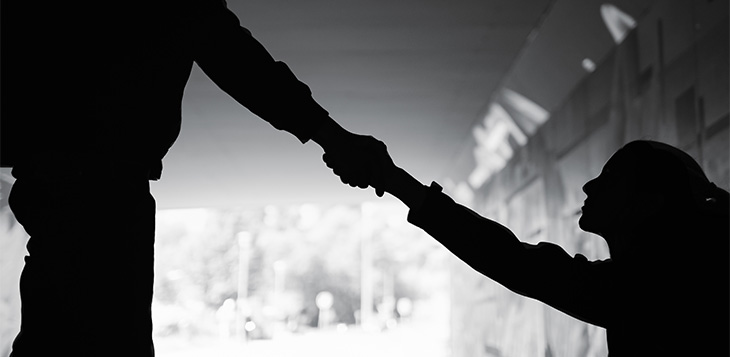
(198, 255)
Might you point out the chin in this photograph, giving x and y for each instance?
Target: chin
(586, 224)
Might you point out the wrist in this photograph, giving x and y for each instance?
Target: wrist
(405, 187)
(330, 135)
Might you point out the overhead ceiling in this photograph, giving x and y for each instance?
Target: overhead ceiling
(415, 74)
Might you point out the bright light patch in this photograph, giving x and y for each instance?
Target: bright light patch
(507, 126)
(588, 65)
(618, 22)
(533, 114)
(493, 143)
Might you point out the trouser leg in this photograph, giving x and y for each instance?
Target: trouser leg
(86, 288)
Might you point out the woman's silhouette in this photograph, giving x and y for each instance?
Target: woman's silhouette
(665, 288)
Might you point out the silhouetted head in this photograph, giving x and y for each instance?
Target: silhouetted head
(647, 186)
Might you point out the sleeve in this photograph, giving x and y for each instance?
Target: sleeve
(243, 68)
(543, 271)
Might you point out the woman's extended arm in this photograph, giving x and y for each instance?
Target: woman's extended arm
(544, 271)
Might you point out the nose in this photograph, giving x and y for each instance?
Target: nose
(588, 186)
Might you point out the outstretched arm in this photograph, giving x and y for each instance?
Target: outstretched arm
(543, 271)
(243, 68)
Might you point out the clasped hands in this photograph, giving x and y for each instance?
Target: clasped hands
(364, 161)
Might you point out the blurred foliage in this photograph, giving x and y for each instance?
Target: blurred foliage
(315, 249)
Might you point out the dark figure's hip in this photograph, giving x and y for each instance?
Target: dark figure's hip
(87, 284)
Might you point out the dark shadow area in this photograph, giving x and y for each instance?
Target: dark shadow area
(91, 98)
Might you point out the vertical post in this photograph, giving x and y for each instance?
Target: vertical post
(244, 242)
(388, 294)
(366, 272)
(279, 277)
(324, 301)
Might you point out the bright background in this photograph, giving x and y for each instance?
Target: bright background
(293, 281)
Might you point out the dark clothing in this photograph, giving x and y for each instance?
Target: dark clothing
(675, 306)
(86, 288)
(109, 76)
(91, 103)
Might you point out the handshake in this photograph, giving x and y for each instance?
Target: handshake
(363, 161)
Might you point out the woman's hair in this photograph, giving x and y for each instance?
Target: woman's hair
(662, 168)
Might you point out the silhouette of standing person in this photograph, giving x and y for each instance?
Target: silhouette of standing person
(91, 103)
(665, 289)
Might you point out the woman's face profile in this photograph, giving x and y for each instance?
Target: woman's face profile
(607, 198)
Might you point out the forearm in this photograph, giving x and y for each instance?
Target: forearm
(544, 271)
(405, 187)
(455, 226)
(483, 244)
(243, 68)
(330, 135)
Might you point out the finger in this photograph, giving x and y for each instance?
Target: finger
(379, 192)
(333, 163)
(332, 159)
(328, 159)
(356, 181)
